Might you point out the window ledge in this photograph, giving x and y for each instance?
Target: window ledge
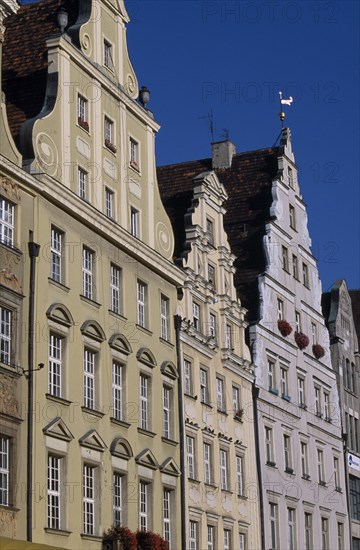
(135, 166)
(302, 406)
(211, 485)
(322, 484)
(58, 285)
(170, 441)
(221, 411)
(144, 329)
(338, 489)
(62, 532)
(118, 422)
(271, 464)
(146, 432)
(117, 315)
(9, 508)
(274, 391)
(166, 342)
(227, 491)
(193, 480)
(306, 477)
(12, 248)
(207, 405)
(242, 497)
(93, 412)
(289, 471)
(194, 397)
(90, 301)
(11, 369)
(57, 399)
(96, 538)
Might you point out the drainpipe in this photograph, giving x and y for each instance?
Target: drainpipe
(34, 250)
(177, 322)
(255, 395)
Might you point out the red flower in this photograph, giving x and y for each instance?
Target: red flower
(284, 327)
(301, 339)
(147, 540)
(124, 535)
(318, 351)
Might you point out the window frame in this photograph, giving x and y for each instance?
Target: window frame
(220, 394)
(55, 364)
(88, 273)
(143, 505)
(187, 373)
(190, 457)
(56, 254)
(6, 335)
(109, 203)
(118, 497)
(117, 387)
(292, 217)
(164, 317)
(274, 525)
(167, 515)
(5, 472)
(115, 288)
(167, 411)
(144, 402)
(108, 49)
(7, 222)
(89, 473)
(89, 370)
(224, 469)
(141, 301)
(196, 311)
(134, 153)
(240, 475)
(54, 500)
(285, 258)
(207, 456)
(83, 184)
(204, 385)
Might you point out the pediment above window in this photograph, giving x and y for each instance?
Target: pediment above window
(144, 355)
(58, 429)
(93, 330)
(121, 447)
(210, 181)
(92, 440)
(120, 343)
(60, 314)
(168, 369)
(146, 458)
(170, 467)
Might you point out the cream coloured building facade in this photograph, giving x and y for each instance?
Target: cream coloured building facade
(82, 179)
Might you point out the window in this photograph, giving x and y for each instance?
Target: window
(354, 490)
(273, 526)
(353, 378)
(82, 112)
(280, 309)
(227, 538)
(304, 460)
(242, 541)
(166, 412)
(210, 537)
(55, 365)
(108, 55)
(144, 402)
(187, 377)
(320, 466)
(308, 531)
(89, 499)
(207, 463)
(54, 492)
(326, 406)
(269, 446)
(297, 321)
(285, 258)
(287, 453)
(317, 401)
(240, 476)
(114, 289)
(211, 274)
(89, 379)
(204, 390)
(284, 382)
(56, 255)
(210, 230)
(88, 273)
(212, 327)
(4, 471)
(196, 316)
(109, 203)
(164, 307)
(223, 469)
(313, 333)
(324, 534)
(295, 265)
(135, 222)
(220, 394)
(228, 337)
(6, 222)
(166, 516)
(337, 474)
(301, 392)
(192, 535)
(236, 400)
(340, 535)
(291, 528)
(290, 177)
(117, 390)
(141, 303)
(82, 184)
(305, 275)
(117, 498)
(271, 375)
(134, 153)
(190, 450)
(292, 216)
(5, 335)
(108, 131)
(143, 506)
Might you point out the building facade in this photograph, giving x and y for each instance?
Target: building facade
(344, 345)
(105, 417)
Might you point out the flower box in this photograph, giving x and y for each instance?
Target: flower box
(110, 146)
(318, 351)
(239, 415)
(119, 538)
(83, 123)
(301, 340)
(284, 327)
(148, 540)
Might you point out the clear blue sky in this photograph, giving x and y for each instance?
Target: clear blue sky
(233, 57)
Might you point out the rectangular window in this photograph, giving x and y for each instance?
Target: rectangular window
(196, 316)
(340, 535)
(269, 445)
(144, 402)
(117, 498)
(290, 177)
(211, 274)
(54, 492)
(190, 450)
(324, 534)
(207, 462)
(320, 467)
(301, 391)
(337, 474)
(295, 265)
(109, 203)
(228, 337)
(240, 476)
(108, 131)
(164, 315)
(141, 303)
(308, 531)
(212, 325)
(284, 382)
(291, 528)
(285, 258)
(227, 539)
(4, 471)
(143, 506)
(5, 335)
(297, 321)
(134, 153)
(224, 469)
(313, 333)
(114, 289)
(6, 222)
(187, 377)
(326, 406)
(210, 230)
(204, 391)
(82, 112)
(166, 412)
(287, 453)
(292, 216)
(210, 537)
(89, 499)
(88, 273)
(220, 394)
(304, 460)
(192, 535)
(89, 379)
(271, 375)
(108, 55)
(56, 255)
(83, 184)
(354, 490)
(305, 275)
(273, 526)
(166, 516)
(55, 365)
(280, 309)
(135, 222)
(117, 390)
(317, 401)
(236, 400)
(242, 541)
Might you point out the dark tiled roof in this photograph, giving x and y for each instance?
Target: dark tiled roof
(248, 185)
(25, 57)
(355, 304)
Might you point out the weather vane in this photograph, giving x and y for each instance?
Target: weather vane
(287, 102)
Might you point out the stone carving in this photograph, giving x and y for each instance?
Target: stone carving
(10, 189)
(86, 44)
(10, 258)
(7, 521)
(163, 237)
(8, 402)
(10, 280)
(130, 85)
(47, 154)
(194, 495)
(227, 504)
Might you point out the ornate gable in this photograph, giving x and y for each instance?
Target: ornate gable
(60, 314)
(144, 355)
(92, 440)
(170, 467)
(93, 330)
(58, 429)
(146, 458)
(168, 369)
(120, 343)
(121, 447)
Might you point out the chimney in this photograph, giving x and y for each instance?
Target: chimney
(222, 154)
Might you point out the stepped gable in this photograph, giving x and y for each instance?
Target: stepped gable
(248, 184)
(24, 69)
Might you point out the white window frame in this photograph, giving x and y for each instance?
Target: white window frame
(204, 386)
(308, 524)
(314, 333)
(212, 325)
(108, 55)
(274, 527)
(271, 374)
(301, 391)
(55, 364)
(54, 484)
(317, 392)
(135, 222)
(280, 309)
(242, 541)
(117, 390)
(211, 274)
(240, 475)
(291, 517)
(287, 452)
(340, 535)
(167, 516)
(166, 412)
(337, 473)
(224, 474)
(292, 216)
(220, 394)
(196, 316)
(304, 452)
(109, 203)
(295, 263)
(190, 453)
(269, 447)
(227, 539)
(82, 108)
(326, 403)
(143, 506)
(228, 336)
(56, 247)
(285, 258)
(320, 466)
(115, 278)
(164, 317)
(210, 529)
(324, 533)
(7, 222)
(134, 153)
(207, 462)
(88, 262)
(83, 183)
(284, 381)
(210, 230)
(192, 535)
(187, 377)
(89, 378)
(236, 401)
(305, 271)
(144, 402)
(5, 335)
(141, 291)
(108, 131)
(4, 471)
(118, 498)
(89, 494)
